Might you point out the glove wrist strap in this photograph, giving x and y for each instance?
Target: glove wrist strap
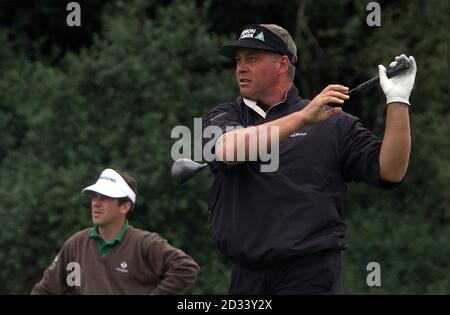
(397, 100)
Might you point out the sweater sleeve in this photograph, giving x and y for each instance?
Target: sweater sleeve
(54, 279)
(175, 269)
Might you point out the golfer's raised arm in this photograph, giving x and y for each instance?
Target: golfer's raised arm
(241, 145)
(396, 147)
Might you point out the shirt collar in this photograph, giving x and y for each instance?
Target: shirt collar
(290, 94)
(95, 233)
(254, 105)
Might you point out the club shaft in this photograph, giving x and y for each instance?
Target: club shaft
(401, 66)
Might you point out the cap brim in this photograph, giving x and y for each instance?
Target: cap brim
(106, 189)
(230, 50)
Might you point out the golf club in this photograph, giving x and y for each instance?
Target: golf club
(184, 169)
(401, 66)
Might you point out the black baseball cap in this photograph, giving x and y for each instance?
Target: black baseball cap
(257, 37)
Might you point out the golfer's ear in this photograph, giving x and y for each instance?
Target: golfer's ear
(284, 64)
(126, 207)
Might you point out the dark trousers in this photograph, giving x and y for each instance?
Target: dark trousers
(318, 273)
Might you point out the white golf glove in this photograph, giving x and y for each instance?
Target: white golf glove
(398, 88)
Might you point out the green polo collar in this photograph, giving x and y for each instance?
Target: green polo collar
(105, 246)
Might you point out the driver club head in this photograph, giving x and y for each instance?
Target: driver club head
(184, 169)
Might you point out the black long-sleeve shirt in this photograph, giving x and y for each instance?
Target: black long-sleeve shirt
(261, 218)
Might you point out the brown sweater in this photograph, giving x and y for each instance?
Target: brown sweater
(142, 263)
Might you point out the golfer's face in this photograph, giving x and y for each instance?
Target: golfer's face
(104, 209)
(255, 73)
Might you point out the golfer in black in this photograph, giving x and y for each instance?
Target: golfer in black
(283, 228)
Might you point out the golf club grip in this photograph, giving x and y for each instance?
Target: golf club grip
(401, 66)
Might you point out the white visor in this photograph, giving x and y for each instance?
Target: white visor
(111, 184)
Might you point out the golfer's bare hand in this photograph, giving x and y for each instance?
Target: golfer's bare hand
(316, 112)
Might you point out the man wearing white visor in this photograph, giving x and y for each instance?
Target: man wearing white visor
(113, 257)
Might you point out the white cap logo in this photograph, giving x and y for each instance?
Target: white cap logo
(111, 184)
